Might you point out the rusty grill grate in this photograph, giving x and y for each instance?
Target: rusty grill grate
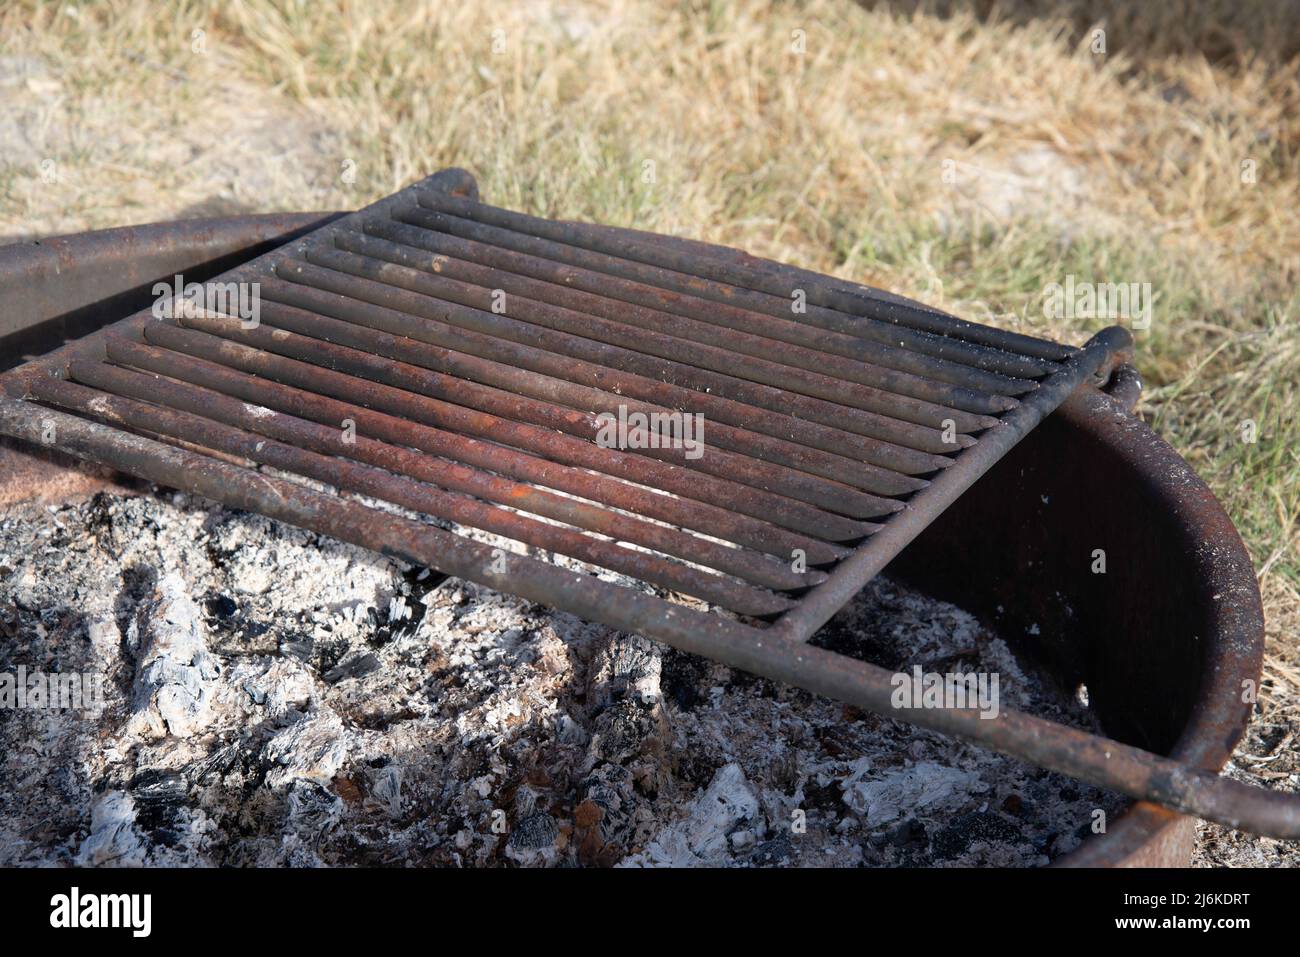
(456, 359)
(471, 350)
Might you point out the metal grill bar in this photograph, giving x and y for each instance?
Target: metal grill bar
(817, 608)
(421, 497)
(532, 304)
(749, 566)
(760, 284)
(707, 519)
(556, 446)
(593, 339)
(841, 468)
(740, 468)
(876, 425)
(896, 446)
(575, 395)
(650, 306)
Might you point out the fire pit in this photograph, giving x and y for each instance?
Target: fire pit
(1177, 692)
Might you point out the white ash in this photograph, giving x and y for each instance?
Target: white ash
(923, 787)
(174, 671)
(274, 697)
(701, 838)
(311, 749)
(113, 838)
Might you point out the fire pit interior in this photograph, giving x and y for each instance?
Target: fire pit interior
(340, 708)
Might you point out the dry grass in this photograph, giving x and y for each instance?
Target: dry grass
(1126, 166)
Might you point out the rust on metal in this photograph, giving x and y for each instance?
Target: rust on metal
(65, 286)
(466, 364)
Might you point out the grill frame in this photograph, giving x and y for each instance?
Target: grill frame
(798, 607)
(777, 652)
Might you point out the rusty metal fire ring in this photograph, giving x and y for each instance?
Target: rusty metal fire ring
(98, 277)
